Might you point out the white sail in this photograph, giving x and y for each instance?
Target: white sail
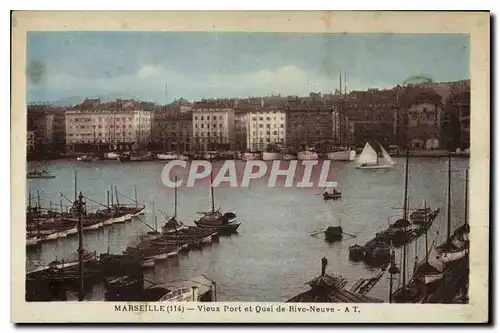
(387, 157)
(368, 155)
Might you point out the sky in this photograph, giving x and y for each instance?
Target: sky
(196, 65)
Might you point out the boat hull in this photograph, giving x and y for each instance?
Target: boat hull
(269, 156)
(167, 157)
(346, 155)
(307, 155)
(289, 157)
(251, 156)
(375, 167)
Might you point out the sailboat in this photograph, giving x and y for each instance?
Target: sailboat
(342, 153)
(369, 159)
(214, 219)
(172, 225)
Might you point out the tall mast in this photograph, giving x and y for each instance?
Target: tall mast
(76, 194)
(212, 188)
(426, 231)
(80, 248)
(449, 198)
(345, 100)
(405, 203)
(341, 129)
(175, 198)
(466, 208)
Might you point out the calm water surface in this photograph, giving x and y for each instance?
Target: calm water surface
(273, 254)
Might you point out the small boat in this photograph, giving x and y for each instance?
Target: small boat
(216, 221)
(170, 156)
(332, 195)
(342, 154)
(271, 156)
(356, 252)
(369, 159)
(136, 157)
(289, 157)
(112, 155)
(86, 158)
(40, 174)
(307, 155)
(250, 156)
(333, 234)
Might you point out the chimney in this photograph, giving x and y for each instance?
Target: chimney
(195, 294)
(324, 262)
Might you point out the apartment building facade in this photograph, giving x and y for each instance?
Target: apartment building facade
(213, 128)
(266, 130)
(104, 126)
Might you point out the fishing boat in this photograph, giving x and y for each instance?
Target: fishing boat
(307, 154)
(271, 156)
(439, 276)
(333, 234)
(369, 159)
(250, 156)
(334, 194)
(342, 154)
(289, 157)
(223, 223)
(356, 252)
(112, 155)
(172, 225)
(86, 158)
(169, 156)
(40, 174)
(136, 157)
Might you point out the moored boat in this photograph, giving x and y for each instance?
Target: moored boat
(40, 174)
(250, 156)
(307, 155)
(271, 156)
(342, 154)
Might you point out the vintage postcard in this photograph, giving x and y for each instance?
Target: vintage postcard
(277, 167)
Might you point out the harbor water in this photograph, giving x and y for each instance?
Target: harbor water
(278, 247)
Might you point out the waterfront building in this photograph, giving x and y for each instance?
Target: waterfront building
(30, 141)
(308, 124)
(46, 125)
(176, 132)
(372, 115)
(456, 117)
(213, 127)
(172, 127)
(103, 125)
(240, 129)
(266, 130)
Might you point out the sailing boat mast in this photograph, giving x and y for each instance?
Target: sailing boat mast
(212, 188)
(80, 248)
(449, 198)
(466, 208)
(341, 131)
(175, 198)
(405, 203)
(345, 101)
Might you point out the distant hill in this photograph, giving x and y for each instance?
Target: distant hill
(69, 101)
